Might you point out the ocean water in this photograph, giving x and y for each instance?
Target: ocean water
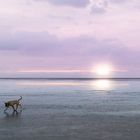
(71, 109)
(97, 92)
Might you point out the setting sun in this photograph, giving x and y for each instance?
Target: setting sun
(103, 70)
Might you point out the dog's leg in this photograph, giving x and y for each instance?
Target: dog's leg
(5, 109)
(13, 107)
(17, 106)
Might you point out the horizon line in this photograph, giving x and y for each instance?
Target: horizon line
(70, 78)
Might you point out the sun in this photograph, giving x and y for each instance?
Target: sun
(103, 70)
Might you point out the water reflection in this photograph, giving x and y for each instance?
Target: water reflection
(42, 83)
(13, 115)
(98, 84)
(102, 85)
(106, 84)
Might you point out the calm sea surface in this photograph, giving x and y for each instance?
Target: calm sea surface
(71, 109)
(121, 96)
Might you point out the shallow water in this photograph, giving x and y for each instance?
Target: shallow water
(71, 109)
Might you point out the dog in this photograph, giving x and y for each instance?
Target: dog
(14, 104)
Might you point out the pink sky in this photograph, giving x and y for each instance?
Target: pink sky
(67, 38)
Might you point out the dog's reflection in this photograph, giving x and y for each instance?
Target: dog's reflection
(14, 114)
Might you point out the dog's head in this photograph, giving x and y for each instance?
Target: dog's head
(6, 104)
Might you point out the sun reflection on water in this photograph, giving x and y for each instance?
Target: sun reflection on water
(102, 85)
(105, 84)
(99, 84)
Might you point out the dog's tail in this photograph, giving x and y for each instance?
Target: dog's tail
(20, 98)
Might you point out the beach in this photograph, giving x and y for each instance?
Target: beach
(71, 109)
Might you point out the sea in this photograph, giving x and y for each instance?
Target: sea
(71, 108)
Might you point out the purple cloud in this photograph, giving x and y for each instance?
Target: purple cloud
(118, 1)
(74, 3)
(99, 7)
(8, 43)
(82, 50)
(97, 10)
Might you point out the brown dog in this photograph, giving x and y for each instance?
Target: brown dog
(14, 104)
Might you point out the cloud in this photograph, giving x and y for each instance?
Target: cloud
(97, 10)
(118, 1)
(102, 6)
(73, 3)
(99, 7)
(73, 51)
(8, 43)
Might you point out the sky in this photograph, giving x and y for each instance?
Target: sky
(69, 38)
